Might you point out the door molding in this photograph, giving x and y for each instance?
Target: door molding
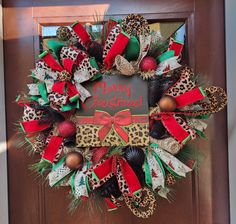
(3, 145)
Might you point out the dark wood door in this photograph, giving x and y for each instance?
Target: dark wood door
(199, 199)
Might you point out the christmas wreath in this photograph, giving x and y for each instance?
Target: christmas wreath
(112, 114)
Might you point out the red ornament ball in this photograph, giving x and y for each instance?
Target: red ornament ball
(148, 64)
(66, 128)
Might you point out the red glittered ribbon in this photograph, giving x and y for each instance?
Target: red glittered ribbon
(174, 128)
(34, 126)
(190, 97)
(110, 166)
(117, 48)
(65, 87)
(55, 65)
(122, 118)
(52, 148)
(107, 27)
(176, 47)
(82, 33)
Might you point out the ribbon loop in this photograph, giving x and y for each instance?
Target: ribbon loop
(119, 167)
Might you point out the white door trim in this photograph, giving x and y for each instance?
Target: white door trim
(230, 28)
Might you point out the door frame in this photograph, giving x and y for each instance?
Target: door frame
(212, 196)
(3, 145)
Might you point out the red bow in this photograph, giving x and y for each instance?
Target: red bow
(61, 87)
(122, 118)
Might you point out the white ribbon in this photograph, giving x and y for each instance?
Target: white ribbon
(172, 162)
(80, 188)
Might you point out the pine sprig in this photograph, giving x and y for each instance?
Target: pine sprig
(41, 167)
(190, 153)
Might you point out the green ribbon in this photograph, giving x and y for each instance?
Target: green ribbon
(61, 161)
(55, 47)
(43, 91)
(132, 50)
(94, 64)
(70, 106)
(148, 177)
(86, 178)
(166, 55)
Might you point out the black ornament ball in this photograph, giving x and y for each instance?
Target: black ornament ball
(158, 131)
(157, 87)
(134, 156)
(63, 33)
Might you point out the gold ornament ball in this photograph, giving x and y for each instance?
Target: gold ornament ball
(74, 160)
(167, 103)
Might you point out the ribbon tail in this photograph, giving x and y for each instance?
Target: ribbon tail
(43, 74)
(59, 173)
(112, 203)
(78, 183)
(50, 61)
(33, 126)
(190, 97)
(84, 93)
(153, 172)
(101, 171)
(52, 148)
(82, 33)
(174, 128)
(122, 134)
(117, 48)
(103, 132)
(172, 163)
(144, 47)
(129, 176)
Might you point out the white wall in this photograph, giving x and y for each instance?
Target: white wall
(230, 7)
(3, 157)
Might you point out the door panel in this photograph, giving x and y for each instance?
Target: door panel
(199, 199)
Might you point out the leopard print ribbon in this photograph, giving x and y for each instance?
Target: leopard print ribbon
(142, 206)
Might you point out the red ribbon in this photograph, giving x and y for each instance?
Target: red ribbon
(174, 128)
(110, 166)
(107, 27)
(53, 64)
(63, 87)
(82, 33)
(34, 126)
(117, 48)
(176, 47)
(52, 148)
(122, 118)
(190, 97)
(170, 122)
(111, 205)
